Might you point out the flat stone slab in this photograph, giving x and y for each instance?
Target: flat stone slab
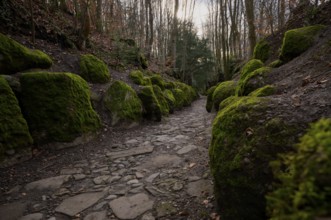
(163, 161)
(200, 188)
(131, 152)
(12, 211)
(97, 216)
(34, 216)
(131, 207)
(51, 183)
(187, 149)
(76, 204)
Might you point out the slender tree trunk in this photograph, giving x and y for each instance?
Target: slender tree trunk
(174, 34)
(99, 16)
(251, 27)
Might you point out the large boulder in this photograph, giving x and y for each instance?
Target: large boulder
(152, 108)
(179, 98)
(57, 106)
(304, 189)
(248, 133)
(14, 131)
(261, 50)
(122, 103)
(264, 91)
(138, 78)
(93, 69)
(162, 100)
(169, 96)
(15, 57)
(210, 104)
(250, 66)
(158, 80)
(252, 81)
(297, 41)
(223, 91)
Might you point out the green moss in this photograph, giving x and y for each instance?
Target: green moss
(162, 100)
(15, 57)
(170, 85)
(276, 64)
(297, 41)
(158, 80)
(261, 50)
(180, 98)
(123, 103)
(14, 132)
(210, 103)
(138, 78)
(250, 66)
(169, 96)
(152, 108)
(143, 61)
(189, 93)
(228, 101)
(93, 69)
(241, 148)
(264, 91)
(304, 191)
(223, 91)
(57, 106)
(252, 81)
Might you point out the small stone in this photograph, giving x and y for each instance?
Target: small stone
(127, 178)
(136, 185)
(137, 190)
(34, 216)
(177, 186)
(99, 206)
(51, 183)
(151, 178)
(134, 181)
(148, 216)
(70, 171)
(114, 179)
(97, 216)
(79, 176)
(111, 197)
(139, 175)
(187, 149)
(100, 170)
(165, 209)
(101, 179)
(193, 178)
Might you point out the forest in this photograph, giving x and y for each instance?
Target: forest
(165, 109)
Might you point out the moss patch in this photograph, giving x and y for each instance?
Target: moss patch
(241, 148)
(264, 91)
(162, 100)
(14, 132)
(252, 81)
(180, 98)
(169, 96)
(223, 91)
(57, 106)
(158, 80)
(210, 104)
(261, 50)
(122, 103)
(250, 66)
(152, 108)
(189, 93)
(276, 64)
(15, 57)
(93, 69)
(297, 41)
(304, 191)
(138, 78)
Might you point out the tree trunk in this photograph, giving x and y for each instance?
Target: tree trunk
(174, 34)
(251, 27)
(99, 16)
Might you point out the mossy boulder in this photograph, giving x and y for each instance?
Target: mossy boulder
(93, 69)
(261, 50)
(276, 64)
(169, 96)
(138, 78)
(223, 91)
(250, 66)
(15, 57)
(304, 190)
(297, 41)
(210, 104)
(123, 103)
(14, 131)
(180, 98)
(189, 93)
(252, 81)
(162, 100)
(264, 91)
(57, 106)
(143, 61)
(246, 136)
(151, 106)
(158, 80)
(170, 85)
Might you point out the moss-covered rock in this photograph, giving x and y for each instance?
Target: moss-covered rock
(252, 81)
(93, 69)
(15, 57)
(143, 61)
(276, 64)
(189, 93)
(223, 91)
(170, 85)
(14, 132)
(158, 80)
(162, 100)
(152, 108)
(122, 103)
(180, 98)
(57, 106)
(245, 138)
(228, 101)
(169, 96)
(210, 104)
(138, 78)
(264, 91)
(297, 41)
(261, 50)
(304, 190)
(250, 66)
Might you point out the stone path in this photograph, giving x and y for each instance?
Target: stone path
(159, 171)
